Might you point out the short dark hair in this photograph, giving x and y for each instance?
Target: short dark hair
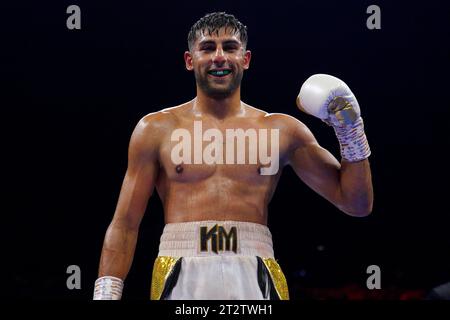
(213, 22)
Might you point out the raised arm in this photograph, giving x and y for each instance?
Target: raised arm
(348, 184)
(120, 239)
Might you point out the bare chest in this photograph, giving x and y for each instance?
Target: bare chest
(244, 151)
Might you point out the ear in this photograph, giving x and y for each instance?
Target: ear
(247, 58)
(188, 60)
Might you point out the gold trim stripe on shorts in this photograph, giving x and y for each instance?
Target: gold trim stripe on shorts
(162, 268)
(278, 278)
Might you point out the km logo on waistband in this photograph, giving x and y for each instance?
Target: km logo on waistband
(221, 240)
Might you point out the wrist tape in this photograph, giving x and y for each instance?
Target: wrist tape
(108, 288)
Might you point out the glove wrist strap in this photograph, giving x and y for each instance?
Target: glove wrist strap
(353, 141)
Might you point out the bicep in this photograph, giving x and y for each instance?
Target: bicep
(139, 181)
(317, 167)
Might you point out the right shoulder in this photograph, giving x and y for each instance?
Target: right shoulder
(151, 129)
(160, 122)
(156, 121)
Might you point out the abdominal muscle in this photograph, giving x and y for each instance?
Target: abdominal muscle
(217, 198)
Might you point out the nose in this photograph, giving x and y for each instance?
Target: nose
(219, 57)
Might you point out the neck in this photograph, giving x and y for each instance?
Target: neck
(219, 108)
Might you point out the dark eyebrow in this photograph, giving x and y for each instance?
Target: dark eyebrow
(226, 42)
(232, 42)
(206, 42)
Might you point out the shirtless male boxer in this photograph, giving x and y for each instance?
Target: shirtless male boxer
(215, 244)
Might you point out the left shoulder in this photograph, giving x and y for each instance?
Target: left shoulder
(284, 121)
(272, 119)
(292, 130)
(289, 126)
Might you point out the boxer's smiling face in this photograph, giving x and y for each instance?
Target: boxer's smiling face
(218, 61)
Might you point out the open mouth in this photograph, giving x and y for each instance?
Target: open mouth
(219, 73)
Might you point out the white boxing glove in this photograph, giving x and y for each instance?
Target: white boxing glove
(330, 99)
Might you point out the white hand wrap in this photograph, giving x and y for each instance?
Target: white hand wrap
(108, 288)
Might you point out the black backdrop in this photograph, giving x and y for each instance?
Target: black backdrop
(70, 100)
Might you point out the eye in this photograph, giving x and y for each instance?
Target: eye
(230, 48)
(207, 47)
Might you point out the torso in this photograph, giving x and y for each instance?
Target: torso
(228, 191)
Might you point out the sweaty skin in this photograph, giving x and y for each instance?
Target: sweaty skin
(194, 192)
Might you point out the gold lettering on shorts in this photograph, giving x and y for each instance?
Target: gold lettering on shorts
(221, 240)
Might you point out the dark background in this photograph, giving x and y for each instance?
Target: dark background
(71, 98)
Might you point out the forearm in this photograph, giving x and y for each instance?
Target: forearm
(121, 237)
(118, 250)
(348, 185)
(356, 188)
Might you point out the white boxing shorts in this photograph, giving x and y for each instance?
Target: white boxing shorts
(217, 260)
